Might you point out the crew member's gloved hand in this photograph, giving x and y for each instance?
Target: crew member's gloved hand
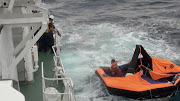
(59, 33)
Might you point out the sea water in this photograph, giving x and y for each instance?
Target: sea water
(96, 31)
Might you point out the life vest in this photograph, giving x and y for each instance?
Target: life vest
(115, 69)
(48, 30)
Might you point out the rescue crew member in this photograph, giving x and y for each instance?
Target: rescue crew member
(50, 32)
(47, 39)
(115, 69)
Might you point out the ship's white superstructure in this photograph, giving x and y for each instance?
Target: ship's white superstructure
(18, 24)
(19, 20)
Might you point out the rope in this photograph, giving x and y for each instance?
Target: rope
(140, 66)
(150, 92)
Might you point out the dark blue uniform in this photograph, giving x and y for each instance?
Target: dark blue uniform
(46, 40)
(50, 37)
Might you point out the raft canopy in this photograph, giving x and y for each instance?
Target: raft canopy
(157, 68)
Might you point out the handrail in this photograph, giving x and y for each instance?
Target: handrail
(57, 93)
(56, 78)
(42, 69)
(68, 81)
(56, 59)
(11, 4)
(51, 78)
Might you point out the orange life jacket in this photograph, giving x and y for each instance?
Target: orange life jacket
(116, 71)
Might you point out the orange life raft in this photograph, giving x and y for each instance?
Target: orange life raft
(149, 77)
(137, 86)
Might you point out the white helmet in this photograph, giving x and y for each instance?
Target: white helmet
(51, 17)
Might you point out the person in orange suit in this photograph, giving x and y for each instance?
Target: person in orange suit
(115, 69)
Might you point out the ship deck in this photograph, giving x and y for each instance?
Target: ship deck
(33, 91)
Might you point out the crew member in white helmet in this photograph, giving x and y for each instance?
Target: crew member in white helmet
(50, 33)
(47, 39)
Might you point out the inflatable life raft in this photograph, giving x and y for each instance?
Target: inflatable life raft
(144, 78)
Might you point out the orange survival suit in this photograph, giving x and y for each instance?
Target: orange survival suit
(115, 69)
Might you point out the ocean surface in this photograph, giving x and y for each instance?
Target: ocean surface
(95, 31)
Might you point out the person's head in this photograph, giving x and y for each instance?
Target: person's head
(51, 18)
(112, 61)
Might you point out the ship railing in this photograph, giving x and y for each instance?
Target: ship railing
(51, 92)
(57, 37)
(57, 42)
(57, 59)
(58, 69)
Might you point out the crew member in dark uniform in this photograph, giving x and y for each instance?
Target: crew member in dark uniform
(47, 39)
(50, 34)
